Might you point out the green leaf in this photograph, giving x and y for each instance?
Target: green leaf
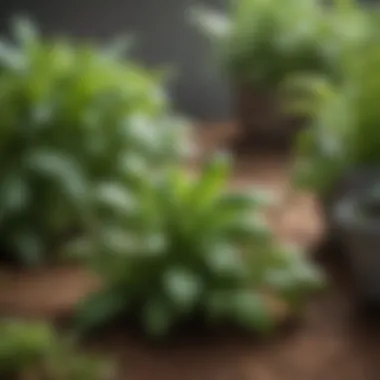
(29, 246)
(249, 228)
(213, 177)
(223, 259)
(99, 309)
(15, 193)
(252, 311)
(10, 58)
(115, 197)
(246, 200)
(60, 169)
(182, 287)
(157, 317)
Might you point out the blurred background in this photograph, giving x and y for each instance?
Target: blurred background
(164, 36)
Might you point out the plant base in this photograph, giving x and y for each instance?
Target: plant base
(263, 123)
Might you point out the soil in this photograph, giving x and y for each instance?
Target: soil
(335, 339)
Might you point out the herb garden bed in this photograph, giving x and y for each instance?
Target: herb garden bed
(330, 342)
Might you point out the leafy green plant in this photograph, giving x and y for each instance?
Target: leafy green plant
(190, 248)
(72, 115)
(33, 349)
(261, 43)
(344, 133)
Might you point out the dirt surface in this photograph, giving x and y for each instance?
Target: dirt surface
(331, 341)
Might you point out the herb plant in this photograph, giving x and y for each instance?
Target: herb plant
(261, 43)
(33, 350)
(190, 248)
(72, 116)
(344, 133)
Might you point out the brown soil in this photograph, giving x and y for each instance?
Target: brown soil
(332, 341)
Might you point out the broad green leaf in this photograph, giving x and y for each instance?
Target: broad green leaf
(224, 259)
(182, 287)
(252, 311)
(115, 197)
(213, 177)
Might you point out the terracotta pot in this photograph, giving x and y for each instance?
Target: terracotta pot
(263, 122)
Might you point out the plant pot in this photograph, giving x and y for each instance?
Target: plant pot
(351, 182)
(263, 122)
(360, 236)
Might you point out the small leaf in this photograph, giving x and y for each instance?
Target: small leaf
(115, 197)
(213, 24)
(182, 287)
(223, 259)
(211, 183)
(30, 247)
(251, 228)
(157, 317)
(252, 311)
(99, 309)
(14, 194)
(10, 57)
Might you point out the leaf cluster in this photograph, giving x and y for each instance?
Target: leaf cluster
(72, 115)
(190, 248)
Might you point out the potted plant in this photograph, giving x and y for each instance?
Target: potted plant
(73, 117)
(357, 217)
(262, 43)
(33, 350)
(339, 153)
(191, 248)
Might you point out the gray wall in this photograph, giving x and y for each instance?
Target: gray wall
(165, 37)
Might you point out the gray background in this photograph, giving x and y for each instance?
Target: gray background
(164, 37)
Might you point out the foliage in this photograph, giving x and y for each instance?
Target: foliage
(344, 131)
(33, 348)
(71, 115)
(263, 42)
(190, 248)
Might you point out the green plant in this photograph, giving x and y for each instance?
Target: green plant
(33, 349)
(71, 116)
(190, 248)
(22, 345)
(261, 43)
(344, 133)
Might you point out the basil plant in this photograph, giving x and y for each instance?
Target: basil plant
(189, 247)
(260, 43)
(72, 116)
(344, 132)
